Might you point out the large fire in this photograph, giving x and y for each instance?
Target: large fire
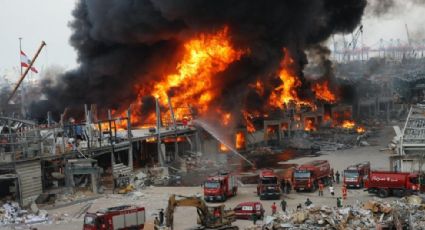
(204, 57)
(194, 85)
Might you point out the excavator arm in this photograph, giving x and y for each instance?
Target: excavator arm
(183, 201)
(206, 218)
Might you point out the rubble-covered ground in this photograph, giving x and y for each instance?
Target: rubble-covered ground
(154, 198)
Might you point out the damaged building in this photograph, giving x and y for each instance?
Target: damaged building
(93, 155)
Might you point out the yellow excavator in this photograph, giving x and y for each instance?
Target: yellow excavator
(209, 217)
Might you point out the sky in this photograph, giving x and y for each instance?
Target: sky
(37, 20)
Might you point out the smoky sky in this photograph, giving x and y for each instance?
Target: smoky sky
(125, 43)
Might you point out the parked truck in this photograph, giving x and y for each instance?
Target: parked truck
(354, 176)
(268, 185)
(123, 217)
(220, 187)
(385, 183)
(307, 176)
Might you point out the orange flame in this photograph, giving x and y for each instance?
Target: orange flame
(203, 58)
(240, 140)
(249, 125)
(360, 129)
(309, 124)
(223, 148)
(348, 124)
(323, 92)
(287, 91)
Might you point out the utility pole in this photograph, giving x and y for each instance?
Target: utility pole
(158, 126)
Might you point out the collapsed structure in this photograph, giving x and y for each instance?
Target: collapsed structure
(98, 154)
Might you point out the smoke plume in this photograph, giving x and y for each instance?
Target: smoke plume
(123, 45)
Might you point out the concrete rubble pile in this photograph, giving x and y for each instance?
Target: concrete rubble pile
(11, 213)
(406, 213)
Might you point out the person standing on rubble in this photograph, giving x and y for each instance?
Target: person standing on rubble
(344, 192)
(161, 217)
(308, 202)
(337, 176)
(321, 188)
(274, 208)
(283, 205)
(338, 202)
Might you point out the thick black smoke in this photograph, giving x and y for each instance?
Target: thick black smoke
(123, 43)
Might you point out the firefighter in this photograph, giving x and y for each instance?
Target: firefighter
(288, 186)
(283, 205)
(254, 217)
(161, 217)
(274, 208)
(337, 176)
(217, 212)
(321, 188)
(344, 192)
(338, 202)
(414, 188)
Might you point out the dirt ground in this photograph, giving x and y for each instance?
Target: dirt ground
(154, 198)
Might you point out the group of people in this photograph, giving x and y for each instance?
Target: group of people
(286, 187)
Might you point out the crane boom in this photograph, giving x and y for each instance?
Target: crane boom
(26, 71)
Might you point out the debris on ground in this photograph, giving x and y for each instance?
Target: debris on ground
(12, 213)
(408, 212)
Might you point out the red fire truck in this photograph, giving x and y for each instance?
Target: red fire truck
(268, 185)
(307, 176)
(121, 217)
(355, 175)
(220, 187)
(385, 183)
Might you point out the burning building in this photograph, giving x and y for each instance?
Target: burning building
(221, 65)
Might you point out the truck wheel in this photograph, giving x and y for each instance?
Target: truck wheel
(382, 193)
(399, 192)
(224, 197)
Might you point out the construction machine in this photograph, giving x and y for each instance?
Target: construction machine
(209, 217)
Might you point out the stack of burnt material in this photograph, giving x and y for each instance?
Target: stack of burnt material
(406, 213)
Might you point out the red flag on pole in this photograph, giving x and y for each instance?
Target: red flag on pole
(25, 62)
